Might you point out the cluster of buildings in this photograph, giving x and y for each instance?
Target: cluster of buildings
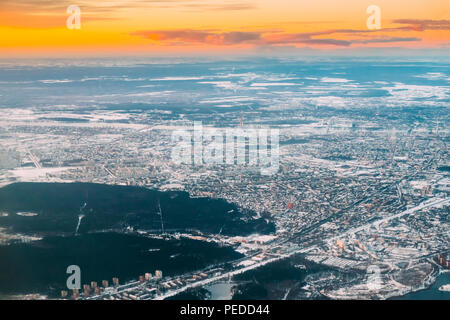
(333, 178)
(444, 260)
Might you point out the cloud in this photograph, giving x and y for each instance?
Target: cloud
(52, 14)
(115, 6)
(387, 40)
(264, 38)
(303, 38)
(333, 42)
(230, 6)
(422, 25)
(200, 37)
(187, 36)
(47, 13)
(309, 38)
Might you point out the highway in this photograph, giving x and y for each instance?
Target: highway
(423, 205)
(34, 159)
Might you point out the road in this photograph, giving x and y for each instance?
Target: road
(34, 159)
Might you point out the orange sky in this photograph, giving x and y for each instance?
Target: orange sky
(39, 26)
